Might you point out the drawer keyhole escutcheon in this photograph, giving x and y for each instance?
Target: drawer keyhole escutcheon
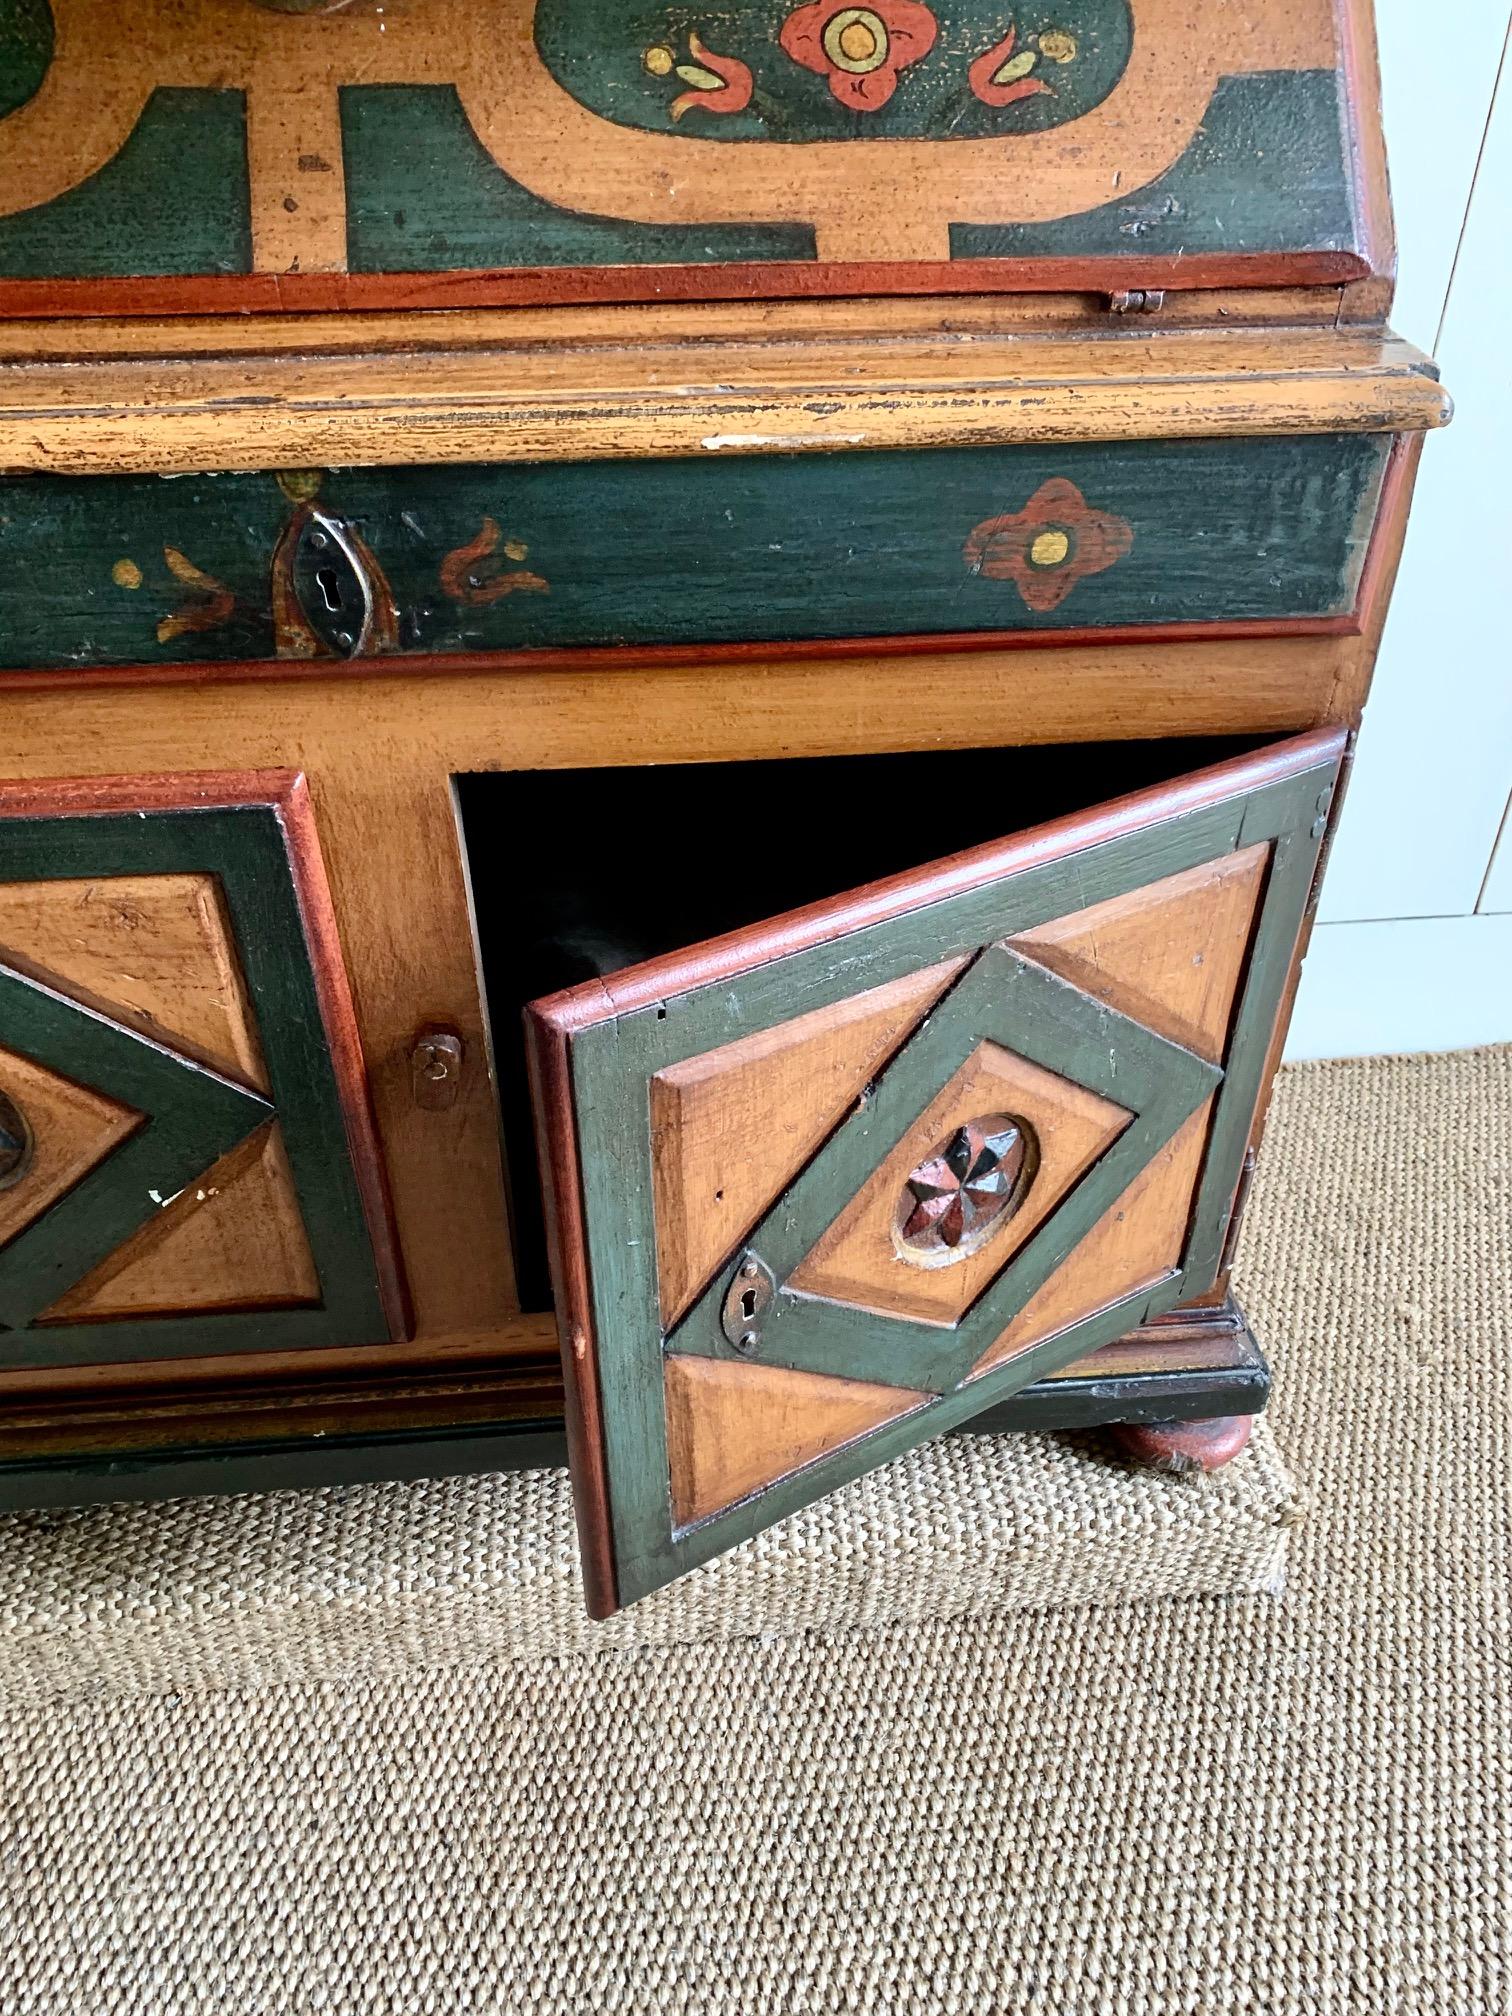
(749, 1296)
(332, 585)
(17, 1143)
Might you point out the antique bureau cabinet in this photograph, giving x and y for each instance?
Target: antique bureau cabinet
(767, 600)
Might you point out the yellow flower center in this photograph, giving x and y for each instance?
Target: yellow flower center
(1056, 46)
(659, 61)
(126, 574)
(1049, 549)
(855, 40)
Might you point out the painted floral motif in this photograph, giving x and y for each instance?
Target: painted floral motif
(473, 575)
(860, 50)
(208, 604)
(1000, 76)
(1045, 549)
(717, 83)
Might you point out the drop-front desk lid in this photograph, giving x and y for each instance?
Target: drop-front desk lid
(405, 153)
(825, 1187)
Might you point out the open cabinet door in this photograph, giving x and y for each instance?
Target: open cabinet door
(823, 1188)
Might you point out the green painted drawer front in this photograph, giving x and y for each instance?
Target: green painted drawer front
(727, 549)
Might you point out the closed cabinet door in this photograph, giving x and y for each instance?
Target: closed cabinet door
(187, 1160)
(823, 1188)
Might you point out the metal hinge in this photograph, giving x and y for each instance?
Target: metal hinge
(1136, 301)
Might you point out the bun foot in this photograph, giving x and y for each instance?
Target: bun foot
(1182, 1448)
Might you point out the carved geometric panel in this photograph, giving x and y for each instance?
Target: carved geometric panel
(862, 1259)
(232, 1239)
(1169, 955)
(732, 1428)
(1173, 954)
(729, 1128)
(178, 1040)
(70, 1129)
(1134, 1244)
(153, 951)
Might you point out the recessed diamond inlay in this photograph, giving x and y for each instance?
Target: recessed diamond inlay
(970, 1185)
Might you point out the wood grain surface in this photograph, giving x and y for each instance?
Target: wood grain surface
(237, 398)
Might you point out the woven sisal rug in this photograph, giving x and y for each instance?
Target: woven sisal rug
(1261, 1807)
(393, 1579)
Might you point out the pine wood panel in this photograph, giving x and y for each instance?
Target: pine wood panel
(859, 1260)
(73, 1128)
(234, 1239)
(1169, 954)
(729, 1128)
(733, 1428)
(153, 951)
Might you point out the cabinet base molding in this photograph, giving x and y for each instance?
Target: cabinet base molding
(1193, 1366)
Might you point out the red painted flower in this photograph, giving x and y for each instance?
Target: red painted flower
(1001, 78)
(860, 49)
(1045, 549)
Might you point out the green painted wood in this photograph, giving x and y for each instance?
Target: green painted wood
(612, 1063)
(744, 549)
(174, 200)
(1294, 862)
(1267, 172)
(598, 50)
(26, 48)
(192, 1117)
(424, 196)
(1002, 997)
(244, 846)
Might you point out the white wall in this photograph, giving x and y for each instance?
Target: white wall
(1413, 949)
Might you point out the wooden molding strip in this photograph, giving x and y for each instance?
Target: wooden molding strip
(733, 280)
(577, 660)
(540, 400)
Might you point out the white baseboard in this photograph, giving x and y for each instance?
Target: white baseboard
(1401, 984)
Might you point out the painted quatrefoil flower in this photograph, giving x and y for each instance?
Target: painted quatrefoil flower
(1045, 549)
(860, 50)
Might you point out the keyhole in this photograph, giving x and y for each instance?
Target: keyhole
(748, 1304)
(330, 587)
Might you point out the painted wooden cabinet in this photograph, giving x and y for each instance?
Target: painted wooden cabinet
(671, 686)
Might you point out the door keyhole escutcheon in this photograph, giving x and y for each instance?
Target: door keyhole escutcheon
(750, 1295)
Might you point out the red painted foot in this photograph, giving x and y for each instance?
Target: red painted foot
(1181, 1448)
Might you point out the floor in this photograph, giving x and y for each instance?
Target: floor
(1280, 1804)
